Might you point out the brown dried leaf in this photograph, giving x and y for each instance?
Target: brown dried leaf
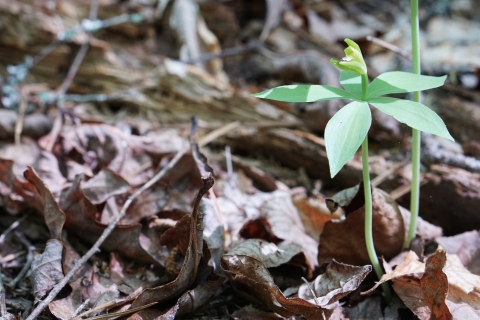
(463, 286)
(214, 234)
(101, 146)
(192, 257)
(314, 214)
(53, 215)
(81, 219)
(338, 280)
(250, 276)
(345, 240)
(267, 253)
(47, 269)
(434, 284)
(104, 185)
(251, 313)
(282, 215)
(409, 290)
(149, 203)
(466, 247)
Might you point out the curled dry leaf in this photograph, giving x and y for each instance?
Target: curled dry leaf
(345, 240)
(338, 280)
(463, 286)
(252, 280)
(186, 304)
(53, 215)
(434, 284)
(192, 257)
(47, 269)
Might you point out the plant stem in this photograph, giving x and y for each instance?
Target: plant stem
(369, 220)
(416, 136)
(368, 206)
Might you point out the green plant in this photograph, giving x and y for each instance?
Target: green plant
(416, 147)
(348, 128)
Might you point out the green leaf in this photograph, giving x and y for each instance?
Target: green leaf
(413, 114)
(400, 82)
(345, 133)
(304, 93)
(352, 82)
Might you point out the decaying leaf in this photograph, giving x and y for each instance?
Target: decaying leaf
(267, 253)
(104, 185)
(81, 220)
(345, 240)
(47, 269)
(466, 246)
(463, 286)
(434, 284)
(53, 215)
(253, 281)
(338, 280)
(192, 256)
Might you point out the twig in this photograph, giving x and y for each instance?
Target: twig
(27, 264)
(111, 226)
(384, 175)
(3, 306)
(215, 134)
(80, 308)
(311, 290)
(390, 47)
(12, 227)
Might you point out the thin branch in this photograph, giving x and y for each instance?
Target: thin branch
(111, 226)
(12, 227)
(27, 264)
(390, 47)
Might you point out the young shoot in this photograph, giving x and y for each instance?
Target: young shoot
(347, 129)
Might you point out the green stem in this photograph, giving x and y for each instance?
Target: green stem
(368, 206)
(416, 136)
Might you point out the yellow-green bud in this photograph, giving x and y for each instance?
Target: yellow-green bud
(353, 60)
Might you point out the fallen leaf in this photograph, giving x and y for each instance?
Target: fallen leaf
(104, 185)
(249, 312)
(338, 281)
(214, 234)
(282, 215)
(466, 246)
(267, 253)
(53, 215)
(47, 269)
(192, 256)
(434, 284)
(252, 280)
(345, 240)
(81, 220)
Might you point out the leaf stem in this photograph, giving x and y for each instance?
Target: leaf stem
(416, 135)
(368, 206)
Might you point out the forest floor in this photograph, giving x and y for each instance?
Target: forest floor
(139, 179)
